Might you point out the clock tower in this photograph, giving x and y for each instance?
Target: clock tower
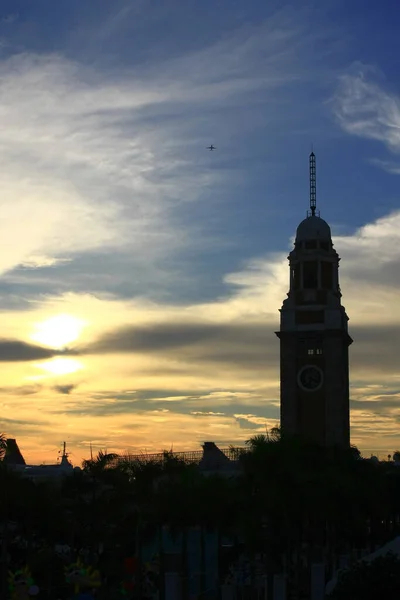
(314, 339)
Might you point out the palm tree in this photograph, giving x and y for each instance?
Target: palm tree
(100, 472)
(97, 466)
(3, 445)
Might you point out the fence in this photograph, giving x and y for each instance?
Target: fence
(189, 457)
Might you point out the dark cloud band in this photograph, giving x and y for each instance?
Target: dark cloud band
(17, 351)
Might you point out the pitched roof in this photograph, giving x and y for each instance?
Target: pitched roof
(13, 454)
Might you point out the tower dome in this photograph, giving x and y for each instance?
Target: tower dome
(313, 228)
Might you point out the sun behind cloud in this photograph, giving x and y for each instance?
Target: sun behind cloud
(58, 331)
(60, 366)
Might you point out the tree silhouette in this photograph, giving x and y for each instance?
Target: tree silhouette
(3, 445)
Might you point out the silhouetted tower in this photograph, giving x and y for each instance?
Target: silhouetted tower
(64, 456)
(314, 337)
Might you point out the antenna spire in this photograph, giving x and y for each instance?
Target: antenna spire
(313, 184)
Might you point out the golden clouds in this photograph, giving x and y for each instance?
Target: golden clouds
(199, 371)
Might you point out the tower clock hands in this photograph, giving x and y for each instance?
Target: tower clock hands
(310, 377)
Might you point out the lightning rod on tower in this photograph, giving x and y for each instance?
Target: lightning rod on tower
(313, 185)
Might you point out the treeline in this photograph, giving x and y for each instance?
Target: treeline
(289, 503)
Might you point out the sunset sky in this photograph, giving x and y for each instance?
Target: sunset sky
(141, 275)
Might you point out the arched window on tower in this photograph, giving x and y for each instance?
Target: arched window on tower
(310, 274)
(326, 275)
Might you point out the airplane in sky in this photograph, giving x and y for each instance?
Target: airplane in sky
(211, 148)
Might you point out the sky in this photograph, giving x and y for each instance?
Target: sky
(141, 275)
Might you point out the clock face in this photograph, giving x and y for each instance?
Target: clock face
(310, 378)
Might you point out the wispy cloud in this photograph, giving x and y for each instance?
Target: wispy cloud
(93, 159)
(387, 165)
(366, 108)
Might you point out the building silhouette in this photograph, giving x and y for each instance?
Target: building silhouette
(13, 459)
(314, 338)
(13, 456)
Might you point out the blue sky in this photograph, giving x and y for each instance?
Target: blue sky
(115, 214)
